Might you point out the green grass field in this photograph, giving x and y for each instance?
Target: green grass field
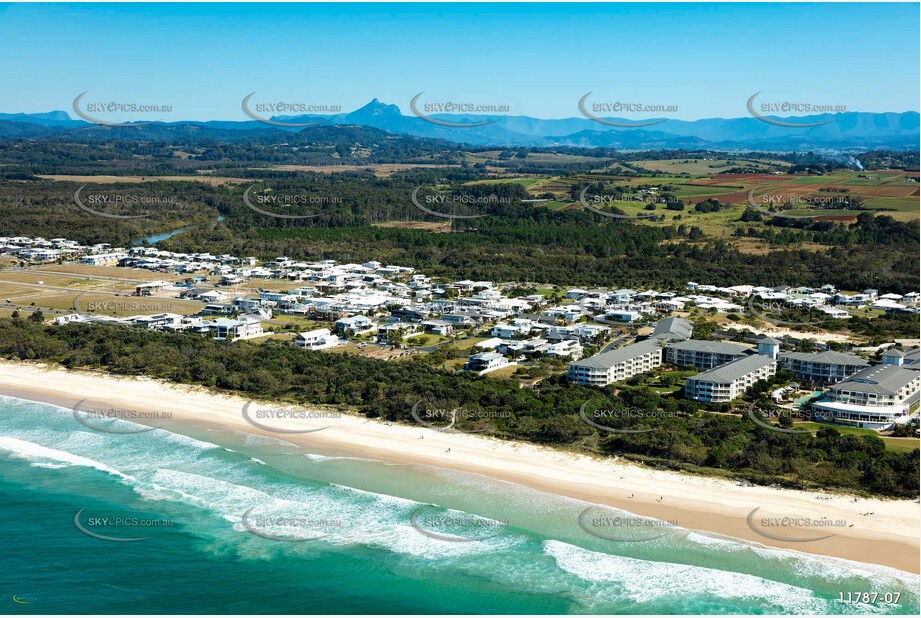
(896, 444)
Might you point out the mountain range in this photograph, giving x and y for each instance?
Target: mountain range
(842, 132)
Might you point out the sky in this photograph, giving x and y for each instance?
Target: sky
(537, 59)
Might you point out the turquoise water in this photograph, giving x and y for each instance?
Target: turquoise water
(343, 539)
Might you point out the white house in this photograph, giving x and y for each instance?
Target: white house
(485, 362)
(355, 325)
(243, 328)
(319, 339)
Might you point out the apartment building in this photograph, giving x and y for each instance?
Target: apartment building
(726, 382)
(616, 365)
(821, 367)
(703, 354)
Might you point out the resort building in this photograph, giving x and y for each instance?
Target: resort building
(617, 364)
(875, 398)
(703, 354)
(726, 382)
(821, 367)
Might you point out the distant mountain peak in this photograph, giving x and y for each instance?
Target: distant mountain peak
(375, 109)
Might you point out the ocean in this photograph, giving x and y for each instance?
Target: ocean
(215, 521)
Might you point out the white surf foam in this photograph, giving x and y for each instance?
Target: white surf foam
(36, 452)
(642, 581)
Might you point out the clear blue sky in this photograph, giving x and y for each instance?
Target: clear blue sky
(539, 59)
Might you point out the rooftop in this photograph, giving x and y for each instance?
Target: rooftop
(608, 359)
(673, 328)
(714, 347)
(830, 357)
(733, 370)
(879, 379)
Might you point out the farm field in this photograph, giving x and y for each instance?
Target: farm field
(707, 166)
(893, 193)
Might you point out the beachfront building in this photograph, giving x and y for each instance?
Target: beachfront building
(726, 382)
(703, 354)
(821, 367)
(485, 362)
(875, 398)
(244, 328)
(319, 339)
(617, 364)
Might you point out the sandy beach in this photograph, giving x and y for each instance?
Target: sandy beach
(884, 532)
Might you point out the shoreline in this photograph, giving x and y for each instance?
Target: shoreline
(889, 537)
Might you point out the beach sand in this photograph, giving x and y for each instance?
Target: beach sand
(889, 536)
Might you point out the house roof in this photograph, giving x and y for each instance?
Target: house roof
(673, 328)
(608, 359)
(733, 370)
(713, 347)
(829, 357)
